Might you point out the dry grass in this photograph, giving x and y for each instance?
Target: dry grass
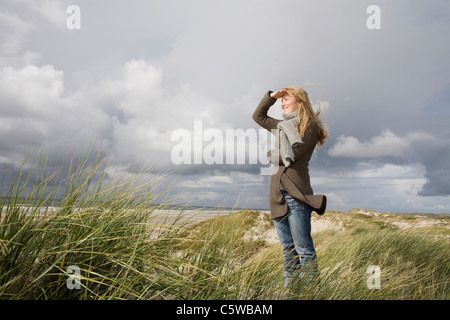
(125, 250)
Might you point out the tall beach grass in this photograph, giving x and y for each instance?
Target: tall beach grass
(110, 229)
(104, 227)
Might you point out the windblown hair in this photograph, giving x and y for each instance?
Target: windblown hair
(305, 113)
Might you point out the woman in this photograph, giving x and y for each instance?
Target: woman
(291, 197)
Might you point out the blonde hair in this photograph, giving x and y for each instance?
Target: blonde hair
(305, 113)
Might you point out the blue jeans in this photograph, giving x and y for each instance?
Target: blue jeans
(294, 232)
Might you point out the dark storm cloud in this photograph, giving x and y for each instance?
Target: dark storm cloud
(436, 158)
(138, 71)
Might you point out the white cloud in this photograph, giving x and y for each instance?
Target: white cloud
(416, 149)
(373, 185)
(41, 113)
(53, 10)
(14, 32)
(137, 90)
(387, 144)
(37, 89)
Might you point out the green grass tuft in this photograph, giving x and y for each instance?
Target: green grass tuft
(111, 230)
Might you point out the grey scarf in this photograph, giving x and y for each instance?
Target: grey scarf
(287, 137)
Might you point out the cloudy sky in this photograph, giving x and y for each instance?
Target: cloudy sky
(136, 73)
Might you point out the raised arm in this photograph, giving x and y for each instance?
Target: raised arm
(260, 115)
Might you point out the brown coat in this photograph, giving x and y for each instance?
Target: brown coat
(295, 178)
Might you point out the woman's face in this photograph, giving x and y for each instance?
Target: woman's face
(288, 103)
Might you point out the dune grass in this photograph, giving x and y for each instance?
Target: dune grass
(102, 227)
(413, 264)
(109, 229)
